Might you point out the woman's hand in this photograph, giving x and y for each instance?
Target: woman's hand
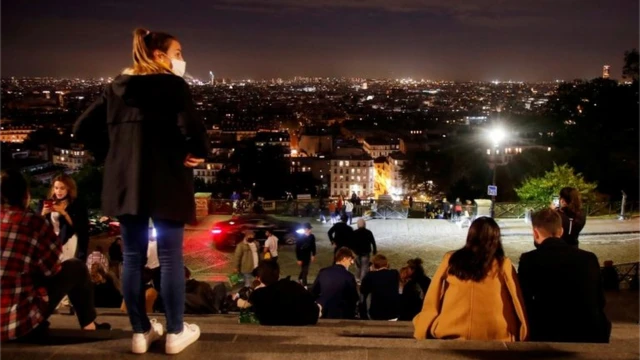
(190, 161)
(60, 207)
(46, 209)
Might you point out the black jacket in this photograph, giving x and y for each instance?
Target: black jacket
(335, 289)
(384, 288)
(363, 241)
(80, 217)
(572, 225)
(340, 234)
(285, 303)
(149, 125)
(115, 252)
(412, 297)
(563, 294)
(306, 248)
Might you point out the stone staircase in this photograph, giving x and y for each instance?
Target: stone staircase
(223, 338)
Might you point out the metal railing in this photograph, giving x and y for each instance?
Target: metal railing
(308, 208)
(628, 274)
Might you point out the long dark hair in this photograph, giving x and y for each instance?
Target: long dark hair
(415, 265)
(475, 259)
(571, 196)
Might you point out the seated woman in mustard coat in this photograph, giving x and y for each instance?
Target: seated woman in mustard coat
(475, 294)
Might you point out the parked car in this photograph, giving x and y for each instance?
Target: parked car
(229, 233)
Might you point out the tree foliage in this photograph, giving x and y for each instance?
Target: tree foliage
(426, 172)
(543, 188)
(630, 68)
(89, 182)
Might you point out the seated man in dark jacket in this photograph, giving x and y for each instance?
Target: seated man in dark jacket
(282, 302)
(335, 288)
(562, 287)
(382, 285)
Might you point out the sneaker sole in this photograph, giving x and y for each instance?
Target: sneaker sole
(179, 349)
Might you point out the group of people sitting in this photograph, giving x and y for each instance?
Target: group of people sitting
(476, 293)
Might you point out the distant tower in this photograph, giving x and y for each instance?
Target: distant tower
(213, 78)
(605, 71)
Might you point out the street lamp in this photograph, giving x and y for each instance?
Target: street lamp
(496, 136)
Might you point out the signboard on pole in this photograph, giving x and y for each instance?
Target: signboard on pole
(492, 190)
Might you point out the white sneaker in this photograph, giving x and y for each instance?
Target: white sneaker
(178, 342)
(141, 342)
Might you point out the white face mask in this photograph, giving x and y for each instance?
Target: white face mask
(179, 67)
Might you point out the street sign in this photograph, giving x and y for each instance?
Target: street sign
(492, 190)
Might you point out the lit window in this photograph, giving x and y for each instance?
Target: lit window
(488, 152)
(342, 163)
(346, 163)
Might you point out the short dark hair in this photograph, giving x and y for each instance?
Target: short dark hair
(99, 248)
(14, 188)
(344, 218)
(344, 253)
(380, 261)
(548, 220)
(269, 272)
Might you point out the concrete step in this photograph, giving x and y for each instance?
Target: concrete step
(223, 338)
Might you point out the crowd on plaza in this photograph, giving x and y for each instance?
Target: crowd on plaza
(146, 118)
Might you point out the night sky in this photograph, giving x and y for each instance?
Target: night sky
(526, 40)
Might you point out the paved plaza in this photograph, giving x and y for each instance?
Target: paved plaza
(401, 240)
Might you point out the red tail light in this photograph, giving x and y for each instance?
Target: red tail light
(216, 231)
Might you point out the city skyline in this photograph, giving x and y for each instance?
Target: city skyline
(431, 39)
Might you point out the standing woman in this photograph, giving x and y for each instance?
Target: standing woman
(573, 217)
(147, 120)
(68, 216)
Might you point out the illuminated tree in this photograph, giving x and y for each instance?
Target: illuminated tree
(542, 189)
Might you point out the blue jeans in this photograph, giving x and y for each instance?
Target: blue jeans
(362, 263)
(135, 236)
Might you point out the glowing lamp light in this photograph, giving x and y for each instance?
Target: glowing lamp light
(216, 231)
(154, 233)
(300, 231)
(497, 135)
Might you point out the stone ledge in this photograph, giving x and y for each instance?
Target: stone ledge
(223, 338)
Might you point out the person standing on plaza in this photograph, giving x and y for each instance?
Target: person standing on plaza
(348, 210)
(332, 211)
(340, 234)
(246, 257)
(146, 118)
(305, 253)
(68, 216)
(573, 216)
(362, 244)
(271, 246)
